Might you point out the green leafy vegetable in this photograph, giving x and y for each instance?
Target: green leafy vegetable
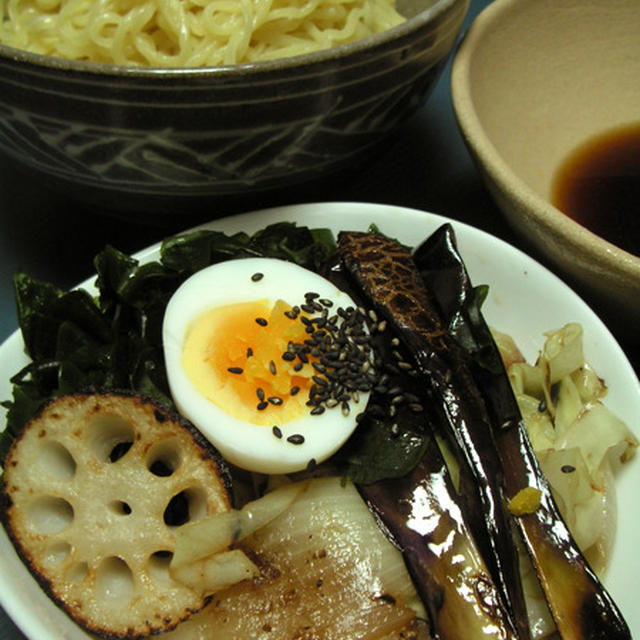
(376, 453)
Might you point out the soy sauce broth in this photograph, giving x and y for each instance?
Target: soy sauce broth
(598, 185)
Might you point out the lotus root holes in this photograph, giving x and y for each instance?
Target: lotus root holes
(164, 457)
(114, 583)
(56, 461)
(48, 515)
(110, 437)
(57, 553)
(159, 566)
(77, 573)
(189, 504)
(120, 507)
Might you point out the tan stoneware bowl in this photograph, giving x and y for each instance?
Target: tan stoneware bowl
(531, 81)
(118, 134)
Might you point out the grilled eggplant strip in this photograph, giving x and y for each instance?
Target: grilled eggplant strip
(421, 514)
(420, 509)
(386, 273)
(580, 605)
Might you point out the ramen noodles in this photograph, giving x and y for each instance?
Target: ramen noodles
(188, 33)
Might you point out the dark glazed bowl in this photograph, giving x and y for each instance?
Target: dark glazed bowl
(121, 131)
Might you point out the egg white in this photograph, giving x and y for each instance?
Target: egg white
(243, 444)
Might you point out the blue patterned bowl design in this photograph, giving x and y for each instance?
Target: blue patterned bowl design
(224, 130)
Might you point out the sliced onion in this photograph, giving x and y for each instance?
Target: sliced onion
(216, 572)
(201, 538)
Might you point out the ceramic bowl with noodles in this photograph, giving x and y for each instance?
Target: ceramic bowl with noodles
(122, 127)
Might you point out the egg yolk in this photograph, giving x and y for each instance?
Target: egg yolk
(233, 355)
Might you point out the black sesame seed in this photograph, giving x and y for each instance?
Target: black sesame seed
(257, 276)
(567, 468)
(296, 438)
(311, 465)
(272, 367)
(294, 390)
(542, 406)
(277, 432)
(326, 302)
(236, 370)
(262, 322)
(249, 352)
(275, 400)
(297, 366)
(260, 393)
(261, 406)
(317, 410)
(288, 356)
(319, 397)
(416, 407)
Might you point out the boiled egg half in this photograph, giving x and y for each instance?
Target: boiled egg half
(269, 360)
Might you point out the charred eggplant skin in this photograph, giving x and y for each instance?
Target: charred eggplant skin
(579, 603)
(384, 270)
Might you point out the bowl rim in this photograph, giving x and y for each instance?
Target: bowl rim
(497, 168)
(377, 40)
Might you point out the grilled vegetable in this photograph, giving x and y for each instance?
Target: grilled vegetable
(385, 272)
(422, 514)
(580, 605)
(94, 486)
(327, 571)
(417, 501)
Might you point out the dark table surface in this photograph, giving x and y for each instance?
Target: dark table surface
(425, 165)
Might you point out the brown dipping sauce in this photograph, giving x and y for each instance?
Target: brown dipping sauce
(598, 185)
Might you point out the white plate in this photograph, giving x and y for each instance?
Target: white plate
(524, 300)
